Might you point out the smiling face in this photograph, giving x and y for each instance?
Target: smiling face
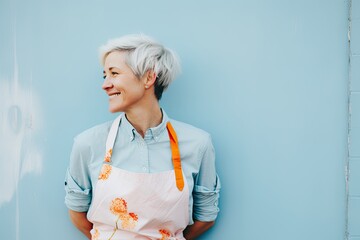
(125, 90)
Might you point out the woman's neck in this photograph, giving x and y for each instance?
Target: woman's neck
(144, 118)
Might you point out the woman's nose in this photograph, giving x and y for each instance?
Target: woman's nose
(107, 83)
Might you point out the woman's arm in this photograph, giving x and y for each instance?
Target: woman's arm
(198, 228)
(81, 222)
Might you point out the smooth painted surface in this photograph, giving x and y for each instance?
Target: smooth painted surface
(355, 73)
(268, 80)
(354, 179)
(355, 34)
(354, 216)
(355, 124)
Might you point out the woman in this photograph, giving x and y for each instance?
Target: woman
(144, 175)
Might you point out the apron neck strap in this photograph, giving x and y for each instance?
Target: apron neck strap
(111, 138)
(175, 152)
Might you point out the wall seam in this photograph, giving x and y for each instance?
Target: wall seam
(347, 163)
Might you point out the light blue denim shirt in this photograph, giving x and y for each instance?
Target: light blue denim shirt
(150, 154)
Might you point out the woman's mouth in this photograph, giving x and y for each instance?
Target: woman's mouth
(114, 95)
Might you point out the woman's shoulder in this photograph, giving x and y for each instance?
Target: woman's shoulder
(193, 141)
(93, 135)
(190, 132)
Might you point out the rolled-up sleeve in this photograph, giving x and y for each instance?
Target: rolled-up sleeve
(77, 180)
(77, 198)
(207, 187)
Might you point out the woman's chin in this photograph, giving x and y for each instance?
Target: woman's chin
(114, 110)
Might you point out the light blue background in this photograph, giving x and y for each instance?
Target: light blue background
(268, 80)
(354, 126)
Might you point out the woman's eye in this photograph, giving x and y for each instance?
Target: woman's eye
(112, 74)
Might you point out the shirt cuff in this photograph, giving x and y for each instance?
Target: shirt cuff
(206, 202)
(76, 198)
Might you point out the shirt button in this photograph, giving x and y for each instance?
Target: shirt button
(144, 169)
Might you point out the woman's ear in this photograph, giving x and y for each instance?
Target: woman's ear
(150, 78)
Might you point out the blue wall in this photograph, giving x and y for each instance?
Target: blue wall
(268, 80)
(354, 131)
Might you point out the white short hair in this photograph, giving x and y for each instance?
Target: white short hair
(145, 54)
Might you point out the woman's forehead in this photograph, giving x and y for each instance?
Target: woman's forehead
(115, 59)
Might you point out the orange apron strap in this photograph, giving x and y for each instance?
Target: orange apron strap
(175, 152)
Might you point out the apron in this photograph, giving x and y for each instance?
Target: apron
(128, 205)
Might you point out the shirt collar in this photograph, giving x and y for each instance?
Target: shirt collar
(153, 132)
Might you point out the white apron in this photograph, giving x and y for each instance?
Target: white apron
(128, 205)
